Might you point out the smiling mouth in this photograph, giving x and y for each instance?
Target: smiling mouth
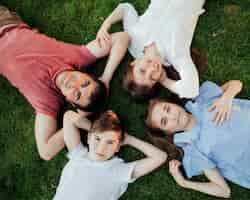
(178, 119)
(100, 155)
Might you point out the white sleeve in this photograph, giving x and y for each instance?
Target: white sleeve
(188, 86)
(130, 16)
(125, 172)
(78, 152)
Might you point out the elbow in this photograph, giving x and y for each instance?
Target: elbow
(227, 192)
(162, 157)
(46, 156)
(240, 84)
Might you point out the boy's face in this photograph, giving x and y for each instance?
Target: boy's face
(103, 146)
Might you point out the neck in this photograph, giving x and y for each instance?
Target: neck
(191, 122)
(152, 51)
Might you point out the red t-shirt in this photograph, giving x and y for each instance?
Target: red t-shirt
(31, 61)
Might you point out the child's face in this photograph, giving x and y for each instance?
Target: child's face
(103, 146)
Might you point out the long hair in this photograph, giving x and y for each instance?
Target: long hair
(159, 138)
(141, 93)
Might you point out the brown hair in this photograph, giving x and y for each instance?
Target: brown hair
(138, 92)
(108, 121)
(98, 94)
(160, 138)
(141, 92)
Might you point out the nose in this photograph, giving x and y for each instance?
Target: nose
(172, 116)
(101, 149)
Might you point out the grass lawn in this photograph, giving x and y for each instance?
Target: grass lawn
(223, 33)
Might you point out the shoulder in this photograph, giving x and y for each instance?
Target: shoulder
(209, 91)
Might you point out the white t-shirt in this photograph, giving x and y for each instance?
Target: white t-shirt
(170, 24)
(85, 179)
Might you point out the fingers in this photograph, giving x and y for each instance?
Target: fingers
(174, 166)
(212, 107)
(103, 38)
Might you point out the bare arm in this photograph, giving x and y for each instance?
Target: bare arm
(155, 157)
(72, 121)
(216, 185)
(120, 42)
(222, 106)
(232, 88)
(116, 16)
(49, 140)
(116, 48)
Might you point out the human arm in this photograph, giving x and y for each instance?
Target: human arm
(222, 106)
(116, 16)
(72, 122)
(49, 139)
(120, 43)
(188, 85)
(116, 48)
(154, 156)
(215, 186)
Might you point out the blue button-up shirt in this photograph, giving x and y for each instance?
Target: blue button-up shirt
(226, 146)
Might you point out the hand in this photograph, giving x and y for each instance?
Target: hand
(175, 172)
(222, 108)
(84, 123)
(102, 36)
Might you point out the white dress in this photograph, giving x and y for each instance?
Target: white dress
(170, 24)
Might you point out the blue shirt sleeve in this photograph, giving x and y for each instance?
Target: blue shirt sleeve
(208, 92)
(195, 162)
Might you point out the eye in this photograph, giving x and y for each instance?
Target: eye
(110, 142)
(142, 71)
(97, 138)
(85, 84)
(164, 121)
(166, 108)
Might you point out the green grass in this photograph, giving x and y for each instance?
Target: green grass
(223, 33)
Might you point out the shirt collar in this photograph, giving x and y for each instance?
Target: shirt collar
(187, 137)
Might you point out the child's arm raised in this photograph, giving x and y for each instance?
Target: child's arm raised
(155, 157)
(72, 121)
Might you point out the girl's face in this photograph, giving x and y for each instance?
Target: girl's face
(169, 117)
(103, 146)
(147, 71)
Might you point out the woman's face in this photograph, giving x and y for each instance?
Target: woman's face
(147, 71)
(169, 117)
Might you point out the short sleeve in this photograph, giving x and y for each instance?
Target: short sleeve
(130, 16)
(195, 162)
(209, 91)
(188, 86)
(123, 174)
(78, 152)
(125, 171)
